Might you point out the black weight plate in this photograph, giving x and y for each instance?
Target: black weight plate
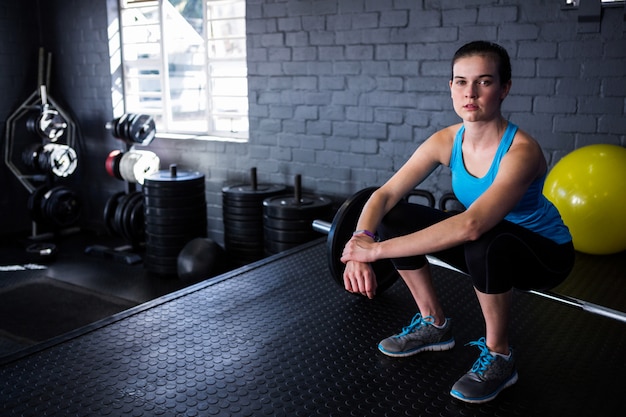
(176, 223)
(142, 129)
(167, 230)
(254, 212)
(245, 199)
(242, 227)
(235, 218)
(135, 202)
(227, 205)
(35, 202)
(341, 230)
(247, 191)
(164, 178)
(175, 212)
(169, 241)
(236, 223)
(124, 213)
(176, 217)
(199, 220)
(164, 250)
(286, 207)
(177, 201)
(176, 189)
(247, 237)
(125, 127)
(61, 206)
(136, 223)
(290, 236)
(109, 211)
(118, 126)
(251, 239)
(246, 252)
(118, 215)
(274, 247)
(288, 224)
(242, 221)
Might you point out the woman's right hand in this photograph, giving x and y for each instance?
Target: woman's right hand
(359, 278)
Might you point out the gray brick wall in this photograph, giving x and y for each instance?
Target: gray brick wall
(384, 66)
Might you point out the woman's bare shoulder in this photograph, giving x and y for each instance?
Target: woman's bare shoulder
(527, 149)
(526, 141)
(446, 134)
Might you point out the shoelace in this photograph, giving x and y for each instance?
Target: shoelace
(416, 323)
(485, 358)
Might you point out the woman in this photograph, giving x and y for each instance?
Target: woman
(509, 236)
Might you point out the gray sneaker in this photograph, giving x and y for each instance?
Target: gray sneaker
(419, 336)
(489, 375)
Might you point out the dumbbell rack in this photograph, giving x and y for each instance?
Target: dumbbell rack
(126, 254)
(18, 119)
(132, 129)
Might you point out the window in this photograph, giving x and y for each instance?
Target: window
(184, 63)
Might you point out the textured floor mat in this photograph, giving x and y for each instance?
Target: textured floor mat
(40, 309)
(280, 338)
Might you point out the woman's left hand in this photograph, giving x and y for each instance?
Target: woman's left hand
(359, 248)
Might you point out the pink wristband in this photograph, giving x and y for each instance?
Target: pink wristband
(364, 232)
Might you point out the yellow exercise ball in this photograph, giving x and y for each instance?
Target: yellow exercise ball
(588, 186)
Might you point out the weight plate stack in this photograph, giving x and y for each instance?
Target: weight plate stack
(242, 207)
(175, 213)
(288, 220)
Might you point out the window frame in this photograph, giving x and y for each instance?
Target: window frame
(163, 113)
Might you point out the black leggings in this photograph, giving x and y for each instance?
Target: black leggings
(507, 256)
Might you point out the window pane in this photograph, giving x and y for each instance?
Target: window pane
(227, 48)
(230, 124)
(186, 68)
(225, 104)
(227, 28)
(220, 9)
(229, 87)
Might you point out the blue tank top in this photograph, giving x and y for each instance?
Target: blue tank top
(534, 211)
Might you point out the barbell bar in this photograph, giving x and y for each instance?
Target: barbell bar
(344, 223)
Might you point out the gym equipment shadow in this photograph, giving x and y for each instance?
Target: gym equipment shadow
(41, 299)
(42, 308)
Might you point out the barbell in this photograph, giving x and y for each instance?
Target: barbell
(344, 224)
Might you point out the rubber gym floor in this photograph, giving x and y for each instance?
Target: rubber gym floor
(279, 337)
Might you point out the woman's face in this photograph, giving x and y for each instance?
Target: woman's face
(476, 89)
